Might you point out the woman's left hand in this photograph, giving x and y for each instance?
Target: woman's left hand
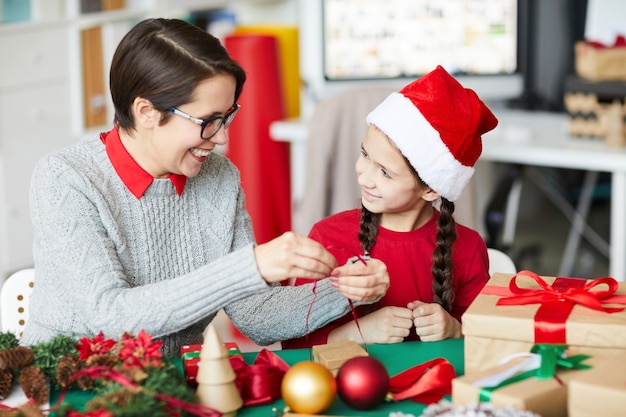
(360, 281)
(432, 322)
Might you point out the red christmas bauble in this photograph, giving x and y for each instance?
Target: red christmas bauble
(308, 388)
(362, 382)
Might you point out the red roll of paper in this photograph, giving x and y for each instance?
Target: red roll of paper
(263, 162)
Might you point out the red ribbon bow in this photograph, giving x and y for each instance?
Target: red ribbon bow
(425, 383)
(259, 383)
(558, 300)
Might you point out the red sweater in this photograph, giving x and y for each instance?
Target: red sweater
(408, 256)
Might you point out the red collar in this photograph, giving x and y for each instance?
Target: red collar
(136, 179)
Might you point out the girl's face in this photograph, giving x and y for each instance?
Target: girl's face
(388, 185)
(177, 146)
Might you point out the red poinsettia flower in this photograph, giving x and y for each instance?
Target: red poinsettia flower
(101, 412)
(98, 345)
(140, 351)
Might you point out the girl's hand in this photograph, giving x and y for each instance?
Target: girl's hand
(386, 325)
(433, 323)
(293, 255)
(360, 281)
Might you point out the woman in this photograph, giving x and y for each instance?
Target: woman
(145, 227)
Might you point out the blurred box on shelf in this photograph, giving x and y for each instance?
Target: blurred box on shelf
(493, 331)
(113, 4)
(15, 11)
(597, 63)
(592, 107)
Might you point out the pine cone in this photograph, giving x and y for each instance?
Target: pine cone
(31, 409)
(102, 360)
(33, 382)
(120, 398)
(16, 358)
(7, 413)
(67, 367)
(134, 374)
(6, 379)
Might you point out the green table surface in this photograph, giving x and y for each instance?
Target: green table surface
(396, 358)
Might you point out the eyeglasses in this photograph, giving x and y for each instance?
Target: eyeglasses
(210, 126)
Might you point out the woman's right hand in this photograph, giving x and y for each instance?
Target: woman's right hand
(387, 325)
(292, 255)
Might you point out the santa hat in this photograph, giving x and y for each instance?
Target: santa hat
(437, 125)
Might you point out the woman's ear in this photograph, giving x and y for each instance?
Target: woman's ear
(145, 114)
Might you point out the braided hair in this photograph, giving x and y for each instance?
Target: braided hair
(442, 255)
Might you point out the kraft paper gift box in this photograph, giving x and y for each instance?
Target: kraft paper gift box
(546, 396)
(333, 355)
(599, 392)
(494, 331)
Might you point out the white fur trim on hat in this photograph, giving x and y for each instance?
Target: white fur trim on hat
(421, 144)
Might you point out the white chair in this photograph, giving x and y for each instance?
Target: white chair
(500, 262)
(14, 298)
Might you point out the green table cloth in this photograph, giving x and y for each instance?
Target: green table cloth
(396, 358)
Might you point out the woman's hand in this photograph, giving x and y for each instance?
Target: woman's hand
(292, 255)
(361, 281)
(433, 323)
(386, 325)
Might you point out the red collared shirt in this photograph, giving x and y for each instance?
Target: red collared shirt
(136, 179)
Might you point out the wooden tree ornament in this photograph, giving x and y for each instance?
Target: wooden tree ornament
(216, 378)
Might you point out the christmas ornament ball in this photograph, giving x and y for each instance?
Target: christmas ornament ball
(362, 382)
(308, 388)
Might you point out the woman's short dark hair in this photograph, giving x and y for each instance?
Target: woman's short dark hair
(163, 60)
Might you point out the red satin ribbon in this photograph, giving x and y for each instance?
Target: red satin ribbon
(558, 300)
(426, 383)
(260, 382)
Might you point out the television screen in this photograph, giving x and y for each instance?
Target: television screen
(408, 38)
(347, 43)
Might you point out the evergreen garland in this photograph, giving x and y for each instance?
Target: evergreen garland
(129, 377)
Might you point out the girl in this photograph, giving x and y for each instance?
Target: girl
(420, 149)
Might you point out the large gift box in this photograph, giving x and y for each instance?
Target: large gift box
(599, 392)
(514, 312)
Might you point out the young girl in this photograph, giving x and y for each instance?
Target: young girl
(420, 149)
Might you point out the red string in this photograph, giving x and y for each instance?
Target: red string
(308, 314)
(354, 316)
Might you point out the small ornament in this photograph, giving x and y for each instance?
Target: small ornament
(309, 388)
(363, 382)
(216, 378)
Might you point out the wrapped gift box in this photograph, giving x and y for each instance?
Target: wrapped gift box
(548, 398)
(190, 356)
(599, 392)
(494, 331)
(333, 355)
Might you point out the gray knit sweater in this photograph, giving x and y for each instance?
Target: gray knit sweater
(107, 261)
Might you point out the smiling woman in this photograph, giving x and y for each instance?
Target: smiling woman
(146, 228)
